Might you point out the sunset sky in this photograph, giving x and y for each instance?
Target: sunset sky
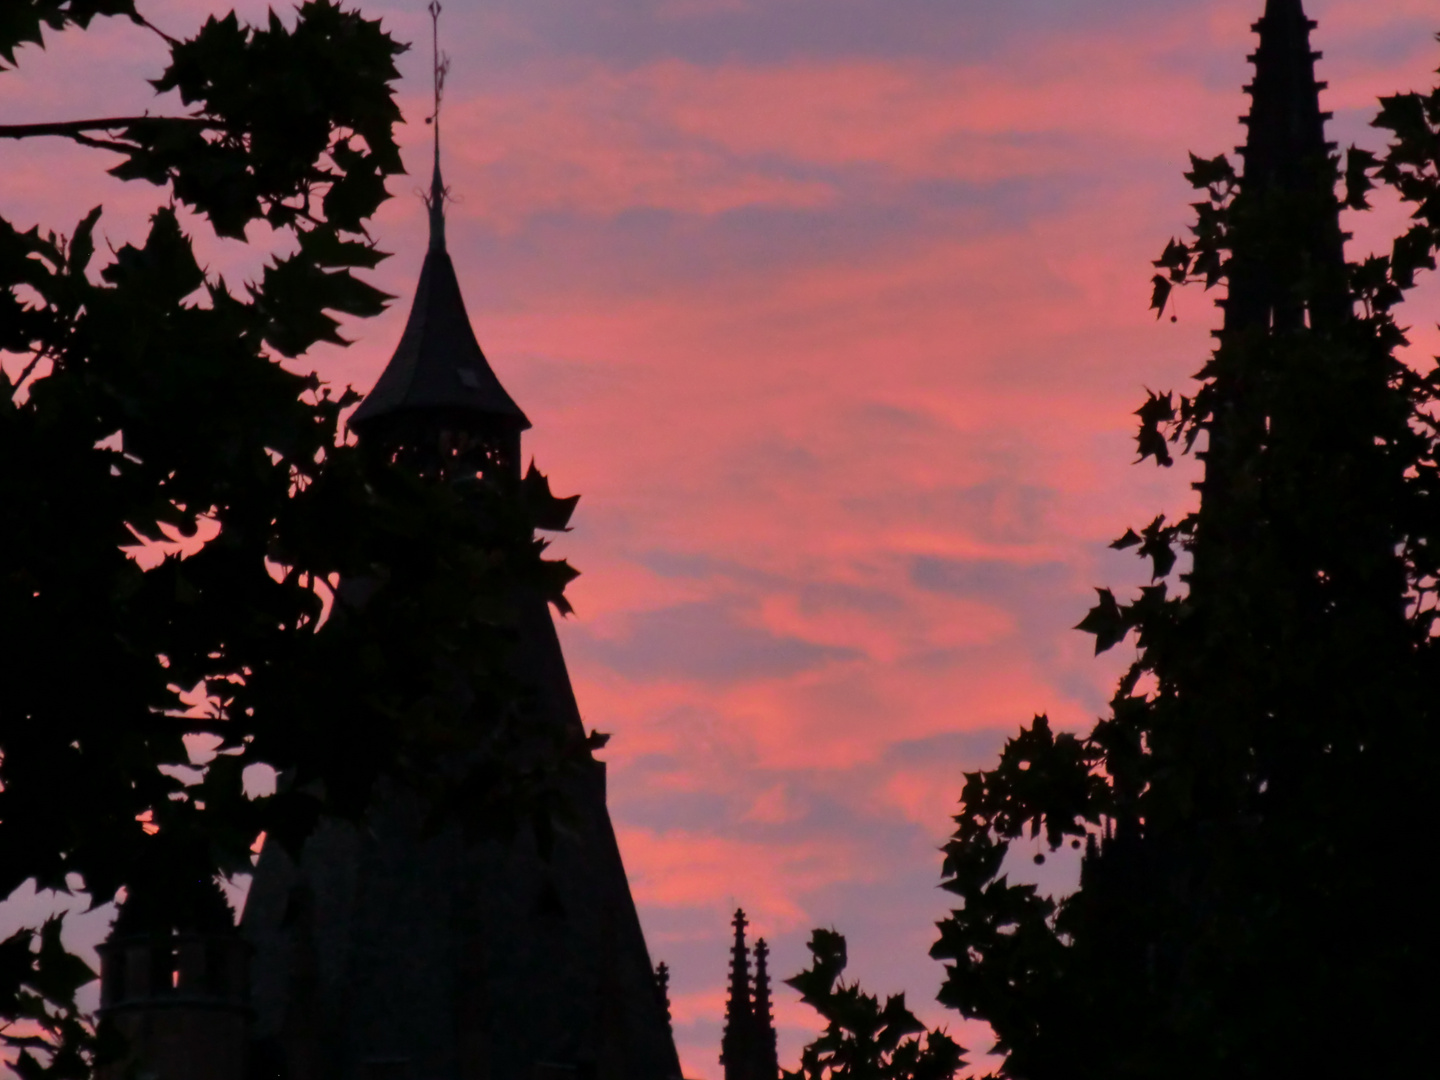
(835, 314)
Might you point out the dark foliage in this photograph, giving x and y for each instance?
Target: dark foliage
(1249, 809)
(184, 513)
(864, 1040)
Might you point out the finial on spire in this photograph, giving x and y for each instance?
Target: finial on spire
(436, 201)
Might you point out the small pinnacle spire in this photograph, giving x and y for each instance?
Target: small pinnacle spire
(767, 1058)
(436, 201)
(662, 989)
(736, 1042)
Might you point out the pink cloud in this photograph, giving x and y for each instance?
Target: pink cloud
(679, 868)
(841, 351)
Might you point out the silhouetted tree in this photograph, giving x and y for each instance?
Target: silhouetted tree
(151, 407)
(863, 1040)
(1248, 807)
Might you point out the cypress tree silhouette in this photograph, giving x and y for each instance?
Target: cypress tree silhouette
(1242, 808)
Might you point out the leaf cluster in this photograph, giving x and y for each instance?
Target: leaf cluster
(24, 21)
(287, 124)
(195, 548)
(36, 970)
(864, 1040)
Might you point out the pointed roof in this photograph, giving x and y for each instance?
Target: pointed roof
(1287, 127)
(767, 1058)
(438, 365)
(736, 1042)
(1289, 185)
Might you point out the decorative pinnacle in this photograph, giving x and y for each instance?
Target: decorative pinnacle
(662, 988)
(739, 1010)
(436, 199)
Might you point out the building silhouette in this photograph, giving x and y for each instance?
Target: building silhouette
(1281, 181)
(386, 954)
(174, 981)
(382, 956)
(747, 1047)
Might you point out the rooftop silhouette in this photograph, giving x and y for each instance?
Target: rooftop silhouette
(438, 369)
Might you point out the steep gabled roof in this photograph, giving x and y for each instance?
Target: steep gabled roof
(438, 365)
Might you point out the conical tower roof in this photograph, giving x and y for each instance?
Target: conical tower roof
(439, 367)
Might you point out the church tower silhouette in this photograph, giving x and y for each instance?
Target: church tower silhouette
(747, 1046)
(1290, 203)
(382, 955)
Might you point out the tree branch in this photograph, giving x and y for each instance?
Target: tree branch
(73, 128)
(140, 20)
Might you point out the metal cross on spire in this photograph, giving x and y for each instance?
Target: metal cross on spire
(436, 201)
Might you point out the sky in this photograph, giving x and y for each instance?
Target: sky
(835, 314)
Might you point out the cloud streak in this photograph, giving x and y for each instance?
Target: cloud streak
(836, 315)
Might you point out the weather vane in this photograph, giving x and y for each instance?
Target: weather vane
(438, 192)
(442, 64)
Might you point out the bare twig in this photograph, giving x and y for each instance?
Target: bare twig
(140, 20)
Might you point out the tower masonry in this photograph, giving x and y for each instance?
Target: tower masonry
(381, 954)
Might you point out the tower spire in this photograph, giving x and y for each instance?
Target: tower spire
(436, 201)
(438, 403)
(1288, 187)
(1286, 268)
(766, 1055)
(736, 1044)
